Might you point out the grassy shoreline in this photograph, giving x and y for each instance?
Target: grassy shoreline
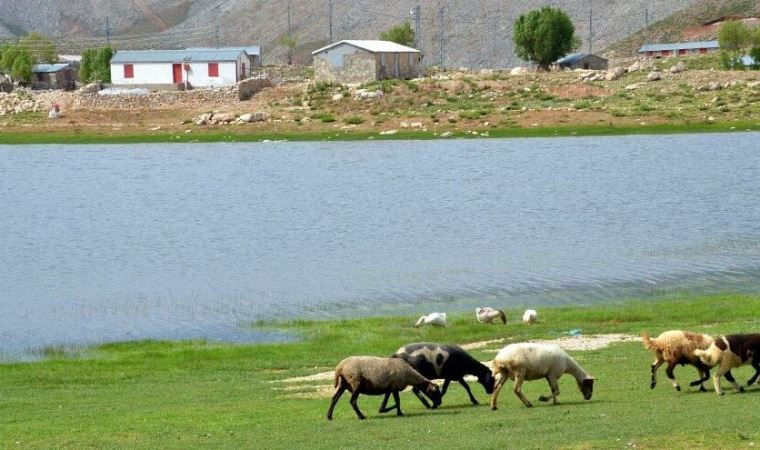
(213, 395)
(233, 135)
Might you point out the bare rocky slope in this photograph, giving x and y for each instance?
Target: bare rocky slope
(476, 33)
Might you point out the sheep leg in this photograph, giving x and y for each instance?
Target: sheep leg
(756, 364)
(339, 390)
(655, 365)
(518, 390)
(445, 386)
(704, 375)
(554, 386)
(354, 397)
(497, 388)
(421, 396)
(671, 375)
(384, 404)
(469, 392)
(398, 403)
(730, 378)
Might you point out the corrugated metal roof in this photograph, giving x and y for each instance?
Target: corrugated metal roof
(573, 57)
(175, 56)
(49, 68)
(372, 46)
(253, 50)
(678, 46)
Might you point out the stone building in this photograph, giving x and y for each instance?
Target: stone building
(582, 61)
(364, 61)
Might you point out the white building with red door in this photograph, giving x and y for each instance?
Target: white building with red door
(190, 68)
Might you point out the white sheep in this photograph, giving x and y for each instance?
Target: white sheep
(435, 319)
(530, 361)
(732, 351)
(530, 316)
(371, 375)
(488, 315)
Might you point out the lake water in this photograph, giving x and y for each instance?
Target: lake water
(107, 242)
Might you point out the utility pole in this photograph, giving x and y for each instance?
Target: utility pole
(441, 17)
(646, 25)
(217, 33)
(330, 11)
(590, 29)
(417, 15)
(290, 39)
(108, 30)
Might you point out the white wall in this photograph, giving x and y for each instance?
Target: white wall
(162, 73)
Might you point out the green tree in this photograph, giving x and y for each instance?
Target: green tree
(290, 43)
(400, 34)
(40, 48)
(733, 37)
(754, 50)
(9, 54)
(22, 67)
(543, 36)
(103, 64)
(86, 66)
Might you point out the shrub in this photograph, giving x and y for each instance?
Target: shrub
(582, 104)
(354, 120)
(326, 118)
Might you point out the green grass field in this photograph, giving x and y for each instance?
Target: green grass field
(205, 395)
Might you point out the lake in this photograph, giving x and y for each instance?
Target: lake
(119, 242)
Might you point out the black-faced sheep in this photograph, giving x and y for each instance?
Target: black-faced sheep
(732, 351)
(530, 361)
(677, 347)
(447, 362)
(376, 376)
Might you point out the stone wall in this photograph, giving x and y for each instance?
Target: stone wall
(358, 67)
(249, 87)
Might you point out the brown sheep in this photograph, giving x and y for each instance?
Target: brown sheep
(677, 347)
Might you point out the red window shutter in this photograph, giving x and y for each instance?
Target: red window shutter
(213, 69)
(129, 71)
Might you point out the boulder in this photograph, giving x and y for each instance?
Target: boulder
(260, 116)
(635, 67)
(634, 86)
(246, 117)
(224, 117)
(654, 76)
(678, 68)
(614, 73)
(91, 88)
(518, 71)
(337, 97)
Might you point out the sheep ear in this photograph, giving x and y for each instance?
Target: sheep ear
(591, 377)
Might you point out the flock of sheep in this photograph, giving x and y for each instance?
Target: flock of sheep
(417, 364)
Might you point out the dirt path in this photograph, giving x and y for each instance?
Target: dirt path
(157, 20)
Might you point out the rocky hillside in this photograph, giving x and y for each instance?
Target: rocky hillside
(476, 33)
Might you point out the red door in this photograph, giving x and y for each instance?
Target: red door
(177, 69)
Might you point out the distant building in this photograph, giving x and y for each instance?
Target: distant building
(354, 61)
(202, 67)
(582, 61)
(53, 76)
(253, 52)
(678, 49)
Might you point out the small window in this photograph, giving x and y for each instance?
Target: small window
(213, 69)
(129, 71)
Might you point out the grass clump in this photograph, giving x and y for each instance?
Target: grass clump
(354, 120)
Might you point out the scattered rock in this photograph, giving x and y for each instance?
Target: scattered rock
(246, 117)
(518, 71)
(388, 133)
(753, 84)
(614, 73)
(224, 117)
(678, 68)
(635, 67)
(446, 134)
(260, 116)
(634, 86)
(337, 97)
(714, 86)
(654, 76)
(91, 88)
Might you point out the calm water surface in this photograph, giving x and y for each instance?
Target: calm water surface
(107, 242)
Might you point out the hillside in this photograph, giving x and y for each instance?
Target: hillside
(698, 22)
(476, 33)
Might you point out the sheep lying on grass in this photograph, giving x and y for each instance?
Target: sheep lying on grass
(447, 362)
(677, 347)
(732, 351)
(531, 361)
(488, 315)
(376, 376)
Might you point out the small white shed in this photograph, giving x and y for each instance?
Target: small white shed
(195, 68)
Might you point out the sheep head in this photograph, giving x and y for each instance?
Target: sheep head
(488, 381)
(433, 393)
(710, 356)
(586, 387)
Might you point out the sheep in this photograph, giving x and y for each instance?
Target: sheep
(530, 316)
(376, 376)
(677, 347)
(732, 351)
(435, 319)
(532, 361)
(488, 315)
(447, 362)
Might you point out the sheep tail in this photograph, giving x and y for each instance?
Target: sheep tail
(648, 344)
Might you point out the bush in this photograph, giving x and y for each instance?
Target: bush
(354, 120)
(326, 118)
(582, 104)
